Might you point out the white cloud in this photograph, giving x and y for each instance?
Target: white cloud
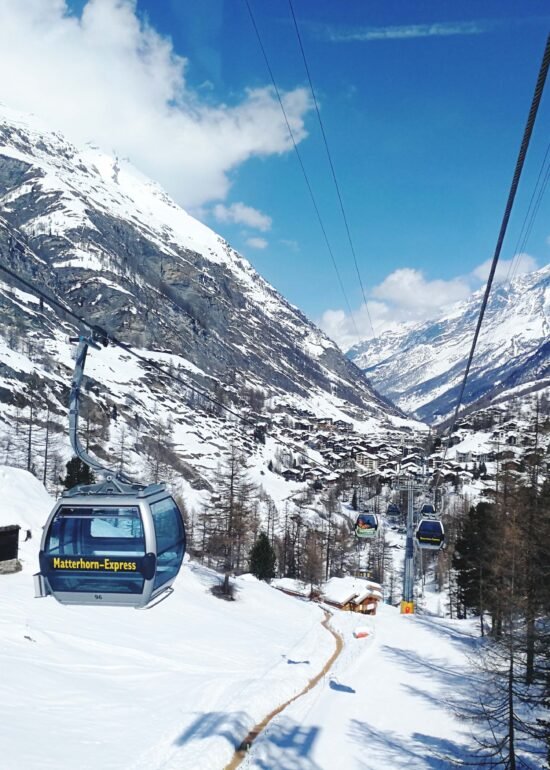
(243, 215)
(257, 243)
(506, 268)
(409, 290)
(407, 296)
(109, 77)
(290, 244)
(348, 330)
(404, 32)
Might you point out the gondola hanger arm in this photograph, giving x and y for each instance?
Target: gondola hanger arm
(97, 336)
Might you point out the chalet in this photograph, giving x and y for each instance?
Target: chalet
(373, 447)
(343, 426)
(346, 447)
(505, 454)
(435, 461)
(340, 460)
(464, 457)
(411, 458)
(322, 423)
(292, 474)
(333, 458)
(315, 442)
(352, 594)
(412, 470)
(313, 474)
(511, 465)
(446, 474)
(388, 465)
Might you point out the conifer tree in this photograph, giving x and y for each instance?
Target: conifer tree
(262, 558)
(473, 559)
(77, 472)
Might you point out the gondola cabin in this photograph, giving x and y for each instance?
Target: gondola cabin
(430, 534)
(366, 525)
(119, 545)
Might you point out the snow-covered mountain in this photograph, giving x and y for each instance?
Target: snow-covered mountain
(94, 232)
(421, 367)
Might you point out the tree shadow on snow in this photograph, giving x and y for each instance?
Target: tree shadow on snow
(456, 636)
(415, 751)
(230, 726)
(285, 745)
(340, 687)
(458, 679)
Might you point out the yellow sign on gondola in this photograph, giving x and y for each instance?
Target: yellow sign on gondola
(82, 563)
(407, 608)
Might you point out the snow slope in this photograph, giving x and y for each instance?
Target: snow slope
(177, 686)
(180, 686)
(386, 704)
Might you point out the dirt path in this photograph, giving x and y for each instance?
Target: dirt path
(240, 753)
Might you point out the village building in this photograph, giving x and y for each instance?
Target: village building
(343, 426)
(352, 594)
(367, 460)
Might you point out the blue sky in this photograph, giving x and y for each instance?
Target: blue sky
(423, 104)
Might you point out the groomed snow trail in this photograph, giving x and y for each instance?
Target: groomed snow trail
(241, 752)
(386, 706)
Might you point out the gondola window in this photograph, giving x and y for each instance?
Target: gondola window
(96, 549)
(170, 539)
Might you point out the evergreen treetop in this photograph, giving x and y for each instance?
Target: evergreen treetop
(262, 558)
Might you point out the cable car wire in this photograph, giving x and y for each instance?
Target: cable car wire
(331, 164)
(149, 362)
(507, 211)
(304, 172)
(535, 103)
(531, 223)
(530, 216)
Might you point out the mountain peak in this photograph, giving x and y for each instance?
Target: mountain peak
(421, 366)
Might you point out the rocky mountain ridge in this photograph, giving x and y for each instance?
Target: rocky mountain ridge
(93, 232)
(421, 367)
